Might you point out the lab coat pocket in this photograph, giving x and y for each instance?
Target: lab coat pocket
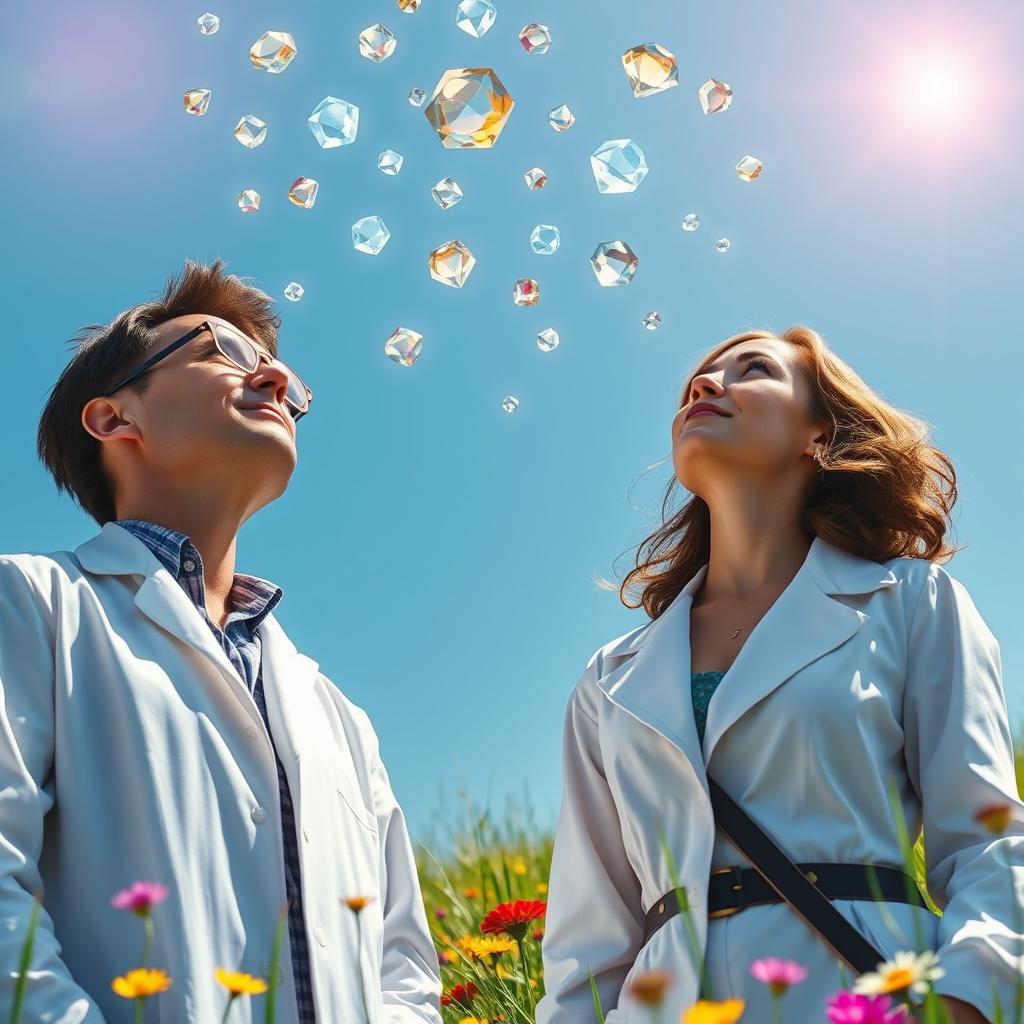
(348, 789)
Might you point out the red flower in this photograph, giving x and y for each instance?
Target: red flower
(537, 933)
(463, 994)
(513, 918)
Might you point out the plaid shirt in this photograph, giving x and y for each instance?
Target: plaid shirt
(252, 599)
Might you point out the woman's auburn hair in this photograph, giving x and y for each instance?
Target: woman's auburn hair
(884, 492)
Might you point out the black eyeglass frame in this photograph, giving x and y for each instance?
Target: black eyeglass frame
(208, 325)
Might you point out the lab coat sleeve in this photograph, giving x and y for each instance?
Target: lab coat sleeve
(594, 918)
(27, 683)
(960, 758)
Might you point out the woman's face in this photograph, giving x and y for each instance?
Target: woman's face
(765, 431)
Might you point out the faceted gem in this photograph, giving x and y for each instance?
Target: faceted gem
(545, 239)
(749, 168)
(547, 339)
(294, 291)
(408, 6)
(390, 162)
(377, 43)
(614, 263)
(510, 403)
(303, 192)
(416, 97)
(451, 263)
(475, 17)
(469, 108)
(714, 96)
(535, 38)
(334, 122)
(650, 68)
(403, 346)
(197, 100)
(446, 193)
(561, 118)
(526, 292)
(535, 178)
(691, 222)
(652, 321)
(370, 234)
(250, 131)
(722, 245)
(208, 23)
(619, 165)
(273, 52)
(249, 200)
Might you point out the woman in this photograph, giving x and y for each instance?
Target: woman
(799, 592)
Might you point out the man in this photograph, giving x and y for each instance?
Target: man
(157, 724)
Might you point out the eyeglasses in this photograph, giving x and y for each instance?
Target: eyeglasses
(243, 352)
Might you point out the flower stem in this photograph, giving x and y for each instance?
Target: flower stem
(227, 1009)
(526, 975)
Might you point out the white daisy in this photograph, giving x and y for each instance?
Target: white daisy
(905, 971)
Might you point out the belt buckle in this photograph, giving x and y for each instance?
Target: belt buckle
(737, 887)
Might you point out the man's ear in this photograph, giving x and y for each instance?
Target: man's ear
(102, 419)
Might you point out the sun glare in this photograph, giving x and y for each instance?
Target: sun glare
(935, 90)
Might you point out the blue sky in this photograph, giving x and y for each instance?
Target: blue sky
(437, 555)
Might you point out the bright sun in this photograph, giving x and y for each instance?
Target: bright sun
(935, 89)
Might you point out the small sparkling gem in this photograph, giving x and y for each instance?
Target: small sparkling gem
(377, 43)
(526, 292)
(535, 38)
(294, 291)
(547, 339)
(652, 321)
(416, 97)
(446, 193)
(208, 23)
(619, 165)
(614, 263)
(370, 234)
(749, 168)
(408, 6)
(714, 96)
(273, 52)
(561, 118)
(650, 68)
(197, 100)
(535, 178)
(469, 108)
(303, 192)
(250, 131)
(510, 403)
(334, 122)
(249, 200)
(722, 245)
(451, 263)
(390, 162)
(403, 346)
(475, 17)
(545, 239)
(691, 222)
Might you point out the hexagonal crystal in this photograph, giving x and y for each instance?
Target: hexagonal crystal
(250, 131)
(197, 100)
(475, 17)
(390, 162)
(619, 165)
(547, 339)
(208, 23)
(535, 178)
(249, 200)
(416, 97)
(650, 68)
(535, 38)
(691, 222)
(370, 234)
(303, 192)
(377, 43)
(545, 239)
(652, 320)
(469, 108)
(294, 291)
(526, 292)
(749, 168)
(403, 346)
(273, 52)
(446, 193)
(614, 263)
(510, 403)
(714, 96)
(722, 245)
(451, 263)
(561, 118)
(334, 122)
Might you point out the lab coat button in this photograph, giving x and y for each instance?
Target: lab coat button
(251, 733)
(258, 815)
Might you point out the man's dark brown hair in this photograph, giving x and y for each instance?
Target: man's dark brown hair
(107, 353)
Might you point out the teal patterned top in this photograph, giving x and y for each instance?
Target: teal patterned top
(702, 686)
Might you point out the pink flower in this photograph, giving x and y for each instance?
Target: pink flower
(848, 1008)
(140, 898)
(778, 975)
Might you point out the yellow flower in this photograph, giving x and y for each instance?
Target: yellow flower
(905, 971)
(519, 867)
(709, 1012)
(240, 984)
(472, 1020)
(140, 983)
(542, 887)
(483, 947)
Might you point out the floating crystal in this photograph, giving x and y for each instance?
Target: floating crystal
(446, 193)
(370, 234)
(377, 43)
(535, 178)
(652, 321)
(619, 165)
(714, 96)
(545, 239)
(403, 346)
(303, 192)
(526, 292)
(691, 222)
(475, 17)
(510, 403)
(294, 291)
(561, 118)
(273, 52)
(535, 38)
(749, 168)
(650, 68)
(250, 131)
(249, 200)
(197, 100)
(390, 162)
(722, 245)
(408, 6)
(451, 263)
(614, 263)
(208, 23)
(469, 108)
(334, 122)
(547, 339)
